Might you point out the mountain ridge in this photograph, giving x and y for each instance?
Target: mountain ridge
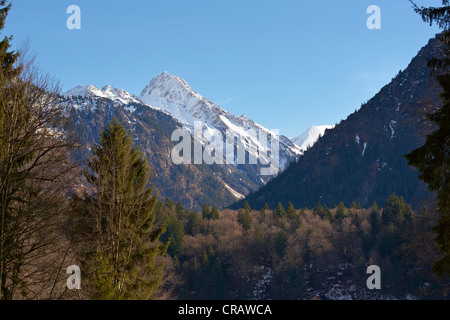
(362, 159)
(92, 108)
(309, 137)
(173, 95)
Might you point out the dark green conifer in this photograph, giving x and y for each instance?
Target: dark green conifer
(433, 158)
(122, 259)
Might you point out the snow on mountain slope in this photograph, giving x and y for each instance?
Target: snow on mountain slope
(170, 98)
(173, 94)
(310, 136)
(108, 92)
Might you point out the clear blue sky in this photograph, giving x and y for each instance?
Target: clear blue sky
(287, 64)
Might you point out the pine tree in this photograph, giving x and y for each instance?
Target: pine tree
(206, 212)
(247, 207)
(433, 158)
(318, 209)
(124, 257)
(8, 58)
(281, 241)
(174, 234)
(303, 212)
(395, 210)
(244, 219)
(291, 212)
(279, 211)
(214, 213)
(194, 223)
(340, 212)
(327, 213)
(435, 15)
(322, 211)
(179, 209)
(264, 210)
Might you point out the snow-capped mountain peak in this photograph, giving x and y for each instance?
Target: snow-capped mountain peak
(173, 95)
(310, 136)
(107, 91)
(83, 91)
(172, 87)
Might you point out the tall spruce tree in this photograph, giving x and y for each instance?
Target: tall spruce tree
(194, 223)
(395, 210)
(340, 212)
(179, 209)
(433, 158)
(214, 213)
(279, 211)
(244, 218)
(123, 257)
(291, 212)
(206, 212)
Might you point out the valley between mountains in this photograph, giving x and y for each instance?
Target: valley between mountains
(359, 159)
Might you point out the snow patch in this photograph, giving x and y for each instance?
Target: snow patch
(364, 150)
(309, 137)
(173, 95)
(391, 125)
(236, 194)
(107, 92)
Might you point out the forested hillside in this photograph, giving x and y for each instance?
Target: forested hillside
(288, 253)
(152, 130)
(362, 158)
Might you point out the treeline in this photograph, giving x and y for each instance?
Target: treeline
(288, 253)
(344, 175)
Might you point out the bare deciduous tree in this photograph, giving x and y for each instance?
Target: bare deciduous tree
(35, 176)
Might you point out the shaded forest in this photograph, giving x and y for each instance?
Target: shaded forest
(288, 253)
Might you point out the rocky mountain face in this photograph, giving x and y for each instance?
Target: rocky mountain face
(173, 95)
(362, 159)
(193, 185)
(167, 104)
